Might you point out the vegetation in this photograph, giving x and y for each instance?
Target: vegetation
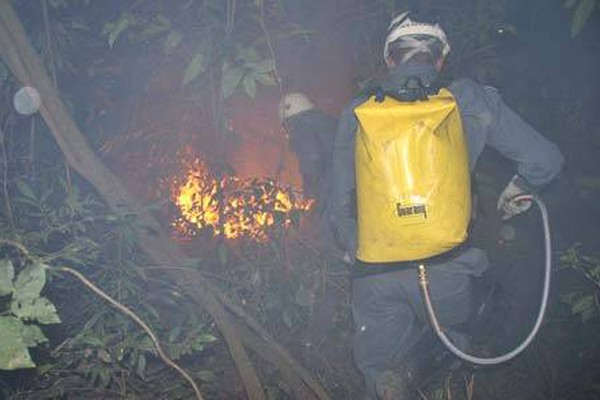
(145, 81)
(583, 301)
(26, 305)
(583, 9)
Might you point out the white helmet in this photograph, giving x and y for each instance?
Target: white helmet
(402, 26)
(293, 104)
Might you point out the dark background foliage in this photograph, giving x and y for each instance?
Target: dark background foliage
(150, 81)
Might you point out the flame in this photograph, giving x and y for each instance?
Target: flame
(232, 207)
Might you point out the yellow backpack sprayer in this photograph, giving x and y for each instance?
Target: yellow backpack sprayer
(414, 192)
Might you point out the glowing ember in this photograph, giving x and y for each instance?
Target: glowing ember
(232, 207)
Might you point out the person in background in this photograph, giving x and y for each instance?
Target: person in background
(386, 304)
(311, 134)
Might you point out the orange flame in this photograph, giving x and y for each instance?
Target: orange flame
(232, 207)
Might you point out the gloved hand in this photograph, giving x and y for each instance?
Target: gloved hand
(507, 204)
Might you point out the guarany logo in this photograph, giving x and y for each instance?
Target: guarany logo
(411, 210)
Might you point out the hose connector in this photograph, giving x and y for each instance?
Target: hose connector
(423, 281)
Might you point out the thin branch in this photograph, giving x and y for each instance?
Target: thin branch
(203, 273)
(137, 319)
(230, 17)
(281, 356)
(278, 79)
(17, 245)
(589, 276)
(470, 386)
(22, 59)
(31, 157)
(9, 210)
(49, 43)
(118, 306)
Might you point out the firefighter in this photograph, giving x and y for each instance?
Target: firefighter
(311, 137)
(311, 134)
(388, 312)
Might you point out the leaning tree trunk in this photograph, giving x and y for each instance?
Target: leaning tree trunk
(25, 64)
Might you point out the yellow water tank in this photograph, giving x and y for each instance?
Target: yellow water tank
(412, 178)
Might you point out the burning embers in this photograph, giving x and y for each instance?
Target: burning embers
(232, 207)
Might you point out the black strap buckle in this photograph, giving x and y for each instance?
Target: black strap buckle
(412, 90)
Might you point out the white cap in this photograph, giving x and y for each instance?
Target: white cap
(292, 104)
(402, 26)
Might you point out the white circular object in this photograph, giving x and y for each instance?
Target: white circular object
(27, 100)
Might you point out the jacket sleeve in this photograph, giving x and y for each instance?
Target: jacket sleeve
(305, 143)
(342, 207)
(489, 121)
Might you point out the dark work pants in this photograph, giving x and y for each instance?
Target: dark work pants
(389, 315)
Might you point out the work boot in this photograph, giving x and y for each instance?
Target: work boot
(391, 385)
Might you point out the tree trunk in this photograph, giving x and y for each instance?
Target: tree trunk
(25, 64)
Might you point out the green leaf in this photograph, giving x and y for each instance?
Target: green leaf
(30, 202)
(30, 282)
(585, 306)
(206, 375)
(201, 340)
(103, 356)
(588, 314)
(174, 351)
(174, 333)
(194, 68)
(105, 376)
(25, 190)
(141, 366)
(197, 346)
(232, 75)
(249, 84)
(248, 54)
(152, 311)
(7, 274)
(32, 335)
(264, 66)
(114, 29)
(172, 41)
(265, 78)
(595, 271)
(207, 338)
(582, 13)
(13, 351)
(152, 28)
(36, 309)
(568, 297)
(94, 341)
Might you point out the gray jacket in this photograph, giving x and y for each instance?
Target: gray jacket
(487, 120)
